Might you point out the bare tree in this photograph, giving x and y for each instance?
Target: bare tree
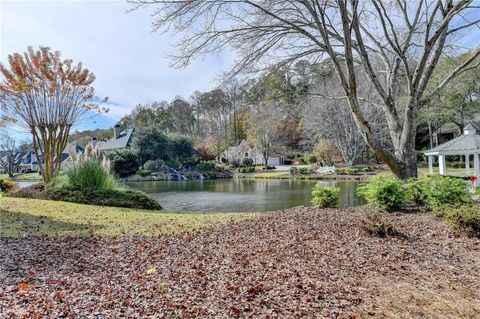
(46, 96)
(263, 126)
(327, 116)
(8, 154)
(407, 37)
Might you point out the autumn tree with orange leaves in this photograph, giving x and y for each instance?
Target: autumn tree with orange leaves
(45, 95)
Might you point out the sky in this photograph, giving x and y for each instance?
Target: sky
(129, 61)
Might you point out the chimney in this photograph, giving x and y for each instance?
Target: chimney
(116, 131)
(94, 142)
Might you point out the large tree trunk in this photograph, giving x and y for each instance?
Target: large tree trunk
(403, 162)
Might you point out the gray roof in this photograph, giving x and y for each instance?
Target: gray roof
(460, 145)
(123, 140)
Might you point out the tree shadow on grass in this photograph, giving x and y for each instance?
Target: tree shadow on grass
(16, 224)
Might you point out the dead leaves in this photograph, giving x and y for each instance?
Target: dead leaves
(25, 287)
(297, 263)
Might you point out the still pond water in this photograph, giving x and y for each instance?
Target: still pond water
(240, 195)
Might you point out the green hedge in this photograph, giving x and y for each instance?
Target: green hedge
(384, 192)
(91, 196)
(249, 169)
(442, 192)
(325, 196)
(352, 170)
(465, 219)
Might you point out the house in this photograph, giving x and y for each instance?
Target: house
(29, 163)
(237, 154)
(121, 140)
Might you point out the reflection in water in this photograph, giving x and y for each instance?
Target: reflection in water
(240, 195)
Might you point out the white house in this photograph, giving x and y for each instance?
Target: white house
(236, 154)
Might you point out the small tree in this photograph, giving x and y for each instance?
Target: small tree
(181, 147)
(151, 144)
(46, 96)
(8, 153)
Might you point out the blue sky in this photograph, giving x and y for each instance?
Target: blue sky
(128, 60)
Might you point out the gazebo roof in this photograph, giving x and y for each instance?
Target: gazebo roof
(468, 143)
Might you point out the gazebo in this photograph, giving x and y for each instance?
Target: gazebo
(467, 145)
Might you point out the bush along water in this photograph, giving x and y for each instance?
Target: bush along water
(90, 181)
(103, 197)
(91, 173)
(325, 196)
(384, 192)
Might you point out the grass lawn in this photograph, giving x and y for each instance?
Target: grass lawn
(32, 217)
(23, 177)
(423, 171)
(267, 174)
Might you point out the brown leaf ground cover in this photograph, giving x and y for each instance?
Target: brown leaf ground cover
(296, 263)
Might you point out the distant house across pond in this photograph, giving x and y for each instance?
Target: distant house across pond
(237, 154)
(28, 161)
(121, 140)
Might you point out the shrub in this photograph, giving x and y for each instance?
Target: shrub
(181, 147)
(247, 161)
(90, 173)
(466, 219)
(417, 190)
(7, 185)
(366, 169)
(221, 167)
(104, 197)
(155, 166)
(35, 191)
(150, 143)
(293, 170)
(346, 170)
(143, 172)
(374, 224)
(310, 159)
(303, 170)
(204, 154)
(174, 163)
(249, 169)
(442, 192)
(325, 196)
(124, 163)
(384, 192)
(205, 166)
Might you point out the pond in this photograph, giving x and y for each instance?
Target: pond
(240, 195)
